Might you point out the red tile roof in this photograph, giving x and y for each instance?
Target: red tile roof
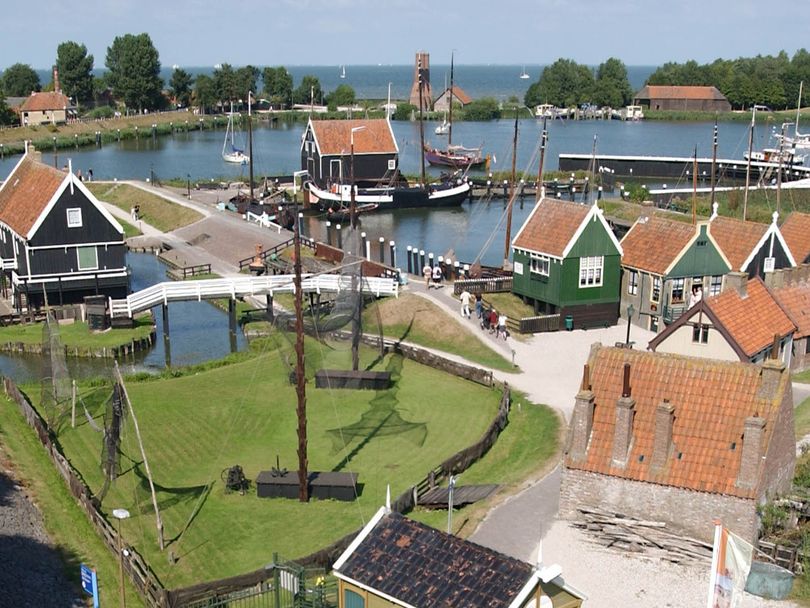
(40, 102)
(736, 238)
(27, 192)
(654, 242)
(796, 230)
(679, 92)
(751, 321)
(711, 400)
(334, 136)
(795, 300)
(459, 95)
(551, 226)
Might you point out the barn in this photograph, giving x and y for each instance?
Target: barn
(683, 98)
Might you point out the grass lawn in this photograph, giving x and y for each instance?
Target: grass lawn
(801, 418)
(802, 377)
(129, 229)
(75, 539)
(196, 425)
(154, 210)
(414, 319)
(77, 335)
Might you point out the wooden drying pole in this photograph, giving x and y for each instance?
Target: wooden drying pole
(158, 520)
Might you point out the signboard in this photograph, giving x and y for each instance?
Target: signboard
(90, 583)
(770, 264)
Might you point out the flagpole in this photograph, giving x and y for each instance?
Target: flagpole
(718, 533)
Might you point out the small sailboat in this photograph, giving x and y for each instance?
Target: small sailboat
(523, 74)
(444, 128)
(343, 71)
(230, 153)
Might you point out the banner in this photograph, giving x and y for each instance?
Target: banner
(731, 562)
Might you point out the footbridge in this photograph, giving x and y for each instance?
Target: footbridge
(241, 287)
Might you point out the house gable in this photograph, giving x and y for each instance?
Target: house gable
(677, 337)
(593, 237)
(653, 243)
(796, 230)
(701, 257)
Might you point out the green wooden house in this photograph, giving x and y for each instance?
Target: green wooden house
(567, 261)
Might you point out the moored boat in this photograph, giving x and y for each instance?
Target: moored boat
(457, 157)
(446, 194)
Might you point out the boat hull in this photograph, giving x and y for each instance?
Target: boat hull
(388, 199)
(442, 158)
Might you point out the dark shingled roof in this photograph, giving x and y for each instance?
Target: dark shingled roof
(424, 567)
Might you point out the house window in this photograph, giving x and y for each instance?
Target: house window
(590, 271)
(677, 290)
(352, 599)
(654, 323)
(700, 333)
(540, 264)
(88, 258)
(655, 292)
(392, 164)
(74, 218)
(632, 283)
(715, 284)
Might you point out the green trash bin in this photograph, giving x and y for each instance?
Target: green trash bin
(569, 322)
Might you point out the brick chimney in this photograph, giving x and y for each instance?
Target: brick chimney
(56, 87)
(662, 440)
(751, 456)
(737, 281)
(771, 380)
(623, 431)
(581, 420)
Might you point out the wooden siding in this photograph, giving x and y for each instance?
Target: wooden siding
(701, 259)
(756, 266)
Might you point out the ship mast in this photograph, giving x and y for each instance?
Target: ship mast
(714, 159)
(748, 165)
(511, 195)
(421, 123)
(543, 141)
(250, 148)
(450, 111)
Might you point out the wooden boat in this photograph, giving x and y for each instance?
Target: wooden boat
(343, 214)
(446, 194)
(457, 157)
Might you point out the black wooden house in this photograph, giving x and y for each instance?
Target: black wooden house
(326, 151)
(56, 239)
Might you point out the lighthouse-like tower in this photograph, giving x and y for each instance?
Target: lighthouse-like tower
(423, 64)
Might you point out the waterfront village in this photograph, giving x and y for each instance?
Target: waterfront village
(615, 416)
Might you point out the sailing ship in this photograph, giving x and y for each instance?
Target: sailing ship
(230, 153)
(523, 74)
(343, 71)
(444, 128)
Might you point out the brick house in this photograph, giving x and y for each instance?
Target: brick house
(46, 108)
(442, 103)
(396, 561)
(740, 324)
(697, 98)
(751, 247)
(795, 301)
(663, 262)
(679, 439)
(796, 230)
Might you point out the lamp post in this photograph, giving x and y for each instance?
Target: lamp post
(630, 311)
(188, 185)
(353, 209)
(451, 484)
(120, 514)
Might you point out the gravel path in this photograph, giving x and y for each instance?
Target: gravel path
(31, 571)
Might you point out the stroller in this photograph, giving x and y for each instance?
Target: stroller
(485, 324)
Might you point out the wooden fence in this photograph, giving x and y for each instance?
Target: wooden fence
(542, 323)
(489, 285)
(145, 581)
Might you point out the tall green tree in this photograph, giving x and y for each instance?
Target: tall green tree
(309, 89)
(612, 87)
(278, 86)
(485, 108)
(564, 83)
(342, 96)
(20, 80)
(205, 92)
(180, 84)
(7, 115)
(245, 79)
(134, 71)
(75, 71)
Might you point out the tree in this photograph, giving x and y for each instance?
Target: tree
(225, 87)
(20, 80)
(75, 71)
(205, 92)
(181, 83)
(485, 108)
(7, 115)
(134, 71)
(245, 80)
(564, 83)
(278, 86)
(308, 90)
(404, 111)
(612, 88)
(341, 96)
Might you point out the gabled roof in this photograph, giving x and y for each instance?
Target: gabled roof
(554, 226)
(333, 137)
(737, 238)
(795, 301)
(711, 401)
(27, 192)
(679, 92)
(42, 101)
(654, 243)
(458, 95)
(412, 564)
(796, 230)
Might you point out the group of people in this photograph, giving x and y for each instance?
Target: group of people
(433, 276)
(491, 320)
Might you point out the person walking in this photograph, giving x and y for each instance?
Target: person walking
(479, 305)
(437, 276)
(502, 326)
(465, 303)
(427, 274)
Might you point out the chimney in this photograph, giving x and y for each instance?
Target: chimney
(751, 456)
(737, 281)
(773, 371)
(623, 431)
(581, 420)
(662, 441)
(56, 86)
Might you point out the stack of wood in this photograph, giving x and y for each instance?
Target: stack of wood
(614, 530)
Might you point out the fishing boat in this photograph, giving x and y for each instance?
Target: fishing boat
(448, 193)
(344, 214)
(230, 153)
(523, 74)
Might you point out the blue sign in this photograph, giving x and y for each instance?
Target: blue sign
(90, 583)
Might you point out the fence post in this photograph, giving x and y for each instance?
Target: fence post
(382, 250)
(408, 250)
(328, 233)
(392, 248)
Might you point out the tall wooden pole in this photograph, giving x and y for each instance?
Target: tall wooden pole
(694, 188)
(450, 113)
(250, 148)
(714, 161)
(357, 318)
(779, 170)
(543, 141)
(512, 194)
(748, 165)
(300, 380)
(421, 125)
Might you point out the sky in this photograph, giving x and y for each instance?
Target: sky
(361, 32)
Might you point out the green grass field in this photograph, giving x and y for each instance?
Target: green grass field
(196, 425)
(154, 210)
(78, 335)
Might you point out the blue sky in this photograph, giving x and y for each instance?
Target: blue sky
(334, 32)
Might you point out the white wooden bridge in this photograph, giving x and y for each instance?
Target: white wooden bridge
(240, 287)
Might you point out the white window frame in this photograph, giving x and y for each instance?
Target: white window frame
(715, 284)
(392, 164)
(681, 282)
(632, 283)
(539, 264)
(72, 222)
(657, 283)
(591, 271)
(79, 259)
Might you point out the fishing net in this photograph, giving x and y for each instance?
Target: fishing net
(114, 419)
(56, 383)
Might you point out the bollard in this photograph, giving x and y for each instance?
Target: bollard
(505, 188)
(392, 249)
(457, 270)
(408, 250)
(573, 193)
(301, 223)
(368, 250)
(599, 193)
(154, 130)
(382, 250)
(363, 242)
(449, 269)
(489, 187)
(2, 152)
(76, 140)
(98, 138)
(339, 237)
(136, 132)
(430, 260)
(118, 131)
(417, 269)
(328, 233)
(422, 259)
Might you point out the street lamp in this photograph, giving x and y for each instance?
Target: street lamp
(451, 484)
(630, 311)
(353, 209)
(120, 514)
